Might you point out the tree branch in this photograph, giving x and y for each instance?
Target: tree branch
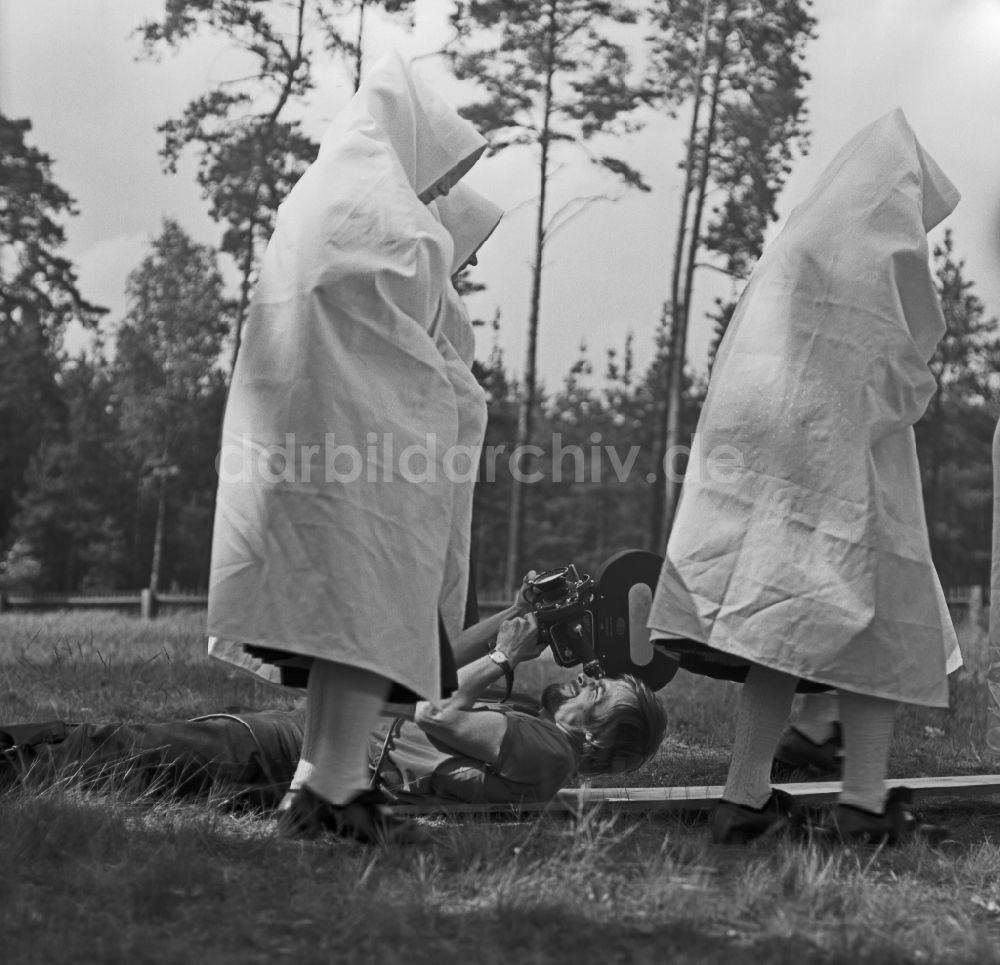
(565, 216)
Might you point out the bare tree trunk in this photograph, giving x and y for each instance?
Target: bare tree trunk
(993, 665)
(526, 410)
(601, 535)
(932, 462)
(361, 37)
(932, 494)
(246, 270)
(161, 514)
(658, 529)
(136, 530)
(679, 334)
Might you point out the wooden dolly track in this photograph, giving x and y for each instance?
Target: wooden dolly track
(701, 798)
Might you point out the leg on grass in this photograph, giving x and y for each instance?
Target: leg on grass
(765, 701)
(342, 707)
(867, 724)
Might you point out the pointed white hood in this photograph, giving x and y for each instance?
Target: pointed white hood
(428, 137)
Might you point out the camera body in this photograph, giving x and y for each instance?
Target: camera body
(601, 621)
(563, 603)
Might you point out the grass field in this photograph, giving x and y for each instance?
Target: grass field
(110, 877)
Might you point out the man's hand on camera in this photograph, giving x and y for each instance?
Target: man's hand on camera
(518, 639)
(521, 604)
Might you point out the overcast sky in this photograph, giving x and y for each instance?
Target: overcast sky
(69, 66)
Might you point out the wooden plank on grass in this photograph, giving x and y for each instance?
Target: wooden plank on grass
(702, 797)
(809, 792)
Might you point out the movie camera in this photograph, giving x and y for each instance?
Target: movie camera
(600, 621)
(562, 602)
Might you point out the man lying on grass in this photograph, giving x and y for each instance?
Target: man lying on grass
(467, 748)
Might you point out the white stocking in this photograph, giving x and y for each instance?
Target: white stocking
(342, 707)
(867, 723)
(765, 700)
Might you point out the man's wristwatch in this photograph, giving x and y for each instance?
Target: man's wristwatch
(500, 659)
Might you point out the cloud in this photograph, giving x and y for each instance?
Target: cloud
(102, 270)
(105, 265)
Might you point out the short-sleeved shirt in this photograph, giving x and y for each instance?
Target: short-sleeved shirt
(536, 759)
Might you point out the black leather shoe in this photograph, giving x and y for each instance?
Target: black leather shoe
(738, 823)
(302, 815)
(796, 752)
(853, 825)
(367, 819)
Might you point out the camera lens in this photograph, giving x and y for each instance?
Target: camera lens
(551, 586)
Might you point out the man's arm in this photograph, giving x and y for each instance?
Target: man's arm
(475, 641)
(455, 721)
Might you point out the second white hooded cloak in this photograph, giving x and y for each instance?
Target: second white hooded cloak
(800, 541)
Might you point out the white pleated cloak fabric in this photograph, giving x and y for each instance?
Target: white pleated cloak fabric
(800, 541)
(470, 219)
(334, 510)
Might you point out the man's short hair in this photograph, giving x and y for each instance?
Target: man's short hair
(625, 734)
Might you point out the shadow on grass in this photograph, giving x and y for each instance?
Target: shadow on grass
(95, 879)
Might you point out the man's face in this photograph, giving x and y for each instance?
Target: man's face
(573, 702)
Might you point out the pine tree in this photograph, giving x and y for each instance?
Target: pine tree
(492, 492)
(75, 516)
(167, 380)
(954, 438)
(553, 79)
(39, 296)
(738, 64)
(246, 130)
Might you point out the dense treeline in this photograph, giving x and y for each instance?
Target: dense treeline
(125, 454)
(107, 458)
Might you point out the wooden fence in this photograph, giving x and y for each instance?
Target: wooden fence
(145, 603)
(968, 602)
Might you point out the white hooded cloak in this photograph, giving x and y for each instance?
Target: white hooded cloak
(335, 510)
(800, 541)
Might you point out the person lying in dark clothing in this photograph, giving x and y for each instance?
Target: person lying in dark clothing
(470, 747)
